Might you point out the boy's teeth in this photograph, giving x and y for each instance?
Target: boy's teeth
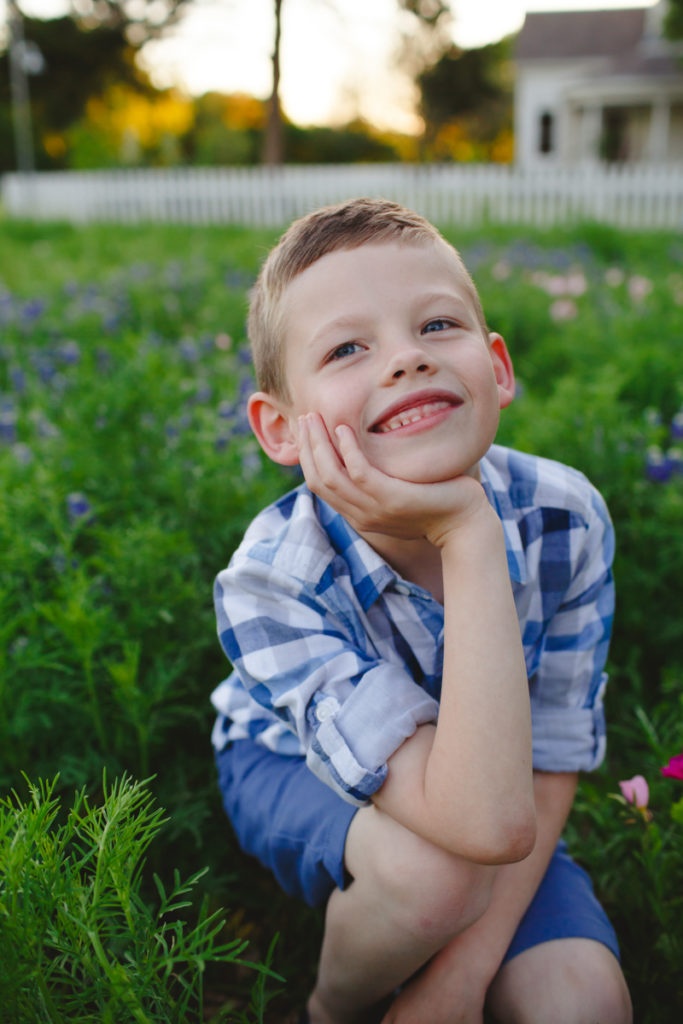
(402, 419)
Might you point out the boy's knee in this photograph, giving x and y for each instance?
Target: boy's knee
(431, 893)
(575, 980)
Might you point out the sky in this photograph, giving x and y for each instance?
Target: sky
(336, 54)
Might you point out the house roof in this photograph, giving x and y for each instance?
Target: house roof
(557, 35)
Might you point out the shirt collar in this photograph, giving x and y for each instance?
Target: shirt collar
(370, 574)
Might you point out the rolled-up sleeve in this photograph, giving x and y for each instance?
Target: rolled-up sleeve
(568, 684)
(308, 662)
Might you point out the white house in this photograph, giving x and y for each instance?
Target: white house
(598, 85)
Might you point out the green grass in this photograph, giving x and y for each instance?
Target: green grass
(128, 477)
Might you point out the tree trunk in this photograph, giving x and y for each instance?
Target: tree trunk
(273, 147)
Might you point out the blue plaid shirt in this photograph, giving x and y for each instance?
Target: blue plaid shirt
(339, 658)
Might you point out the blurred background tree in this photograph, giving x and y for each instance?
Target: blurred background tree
(85, 55)
(673, 20)
(466, 102)
(93, 105)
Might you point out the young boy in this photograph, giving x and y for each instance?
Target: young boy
(418, 635)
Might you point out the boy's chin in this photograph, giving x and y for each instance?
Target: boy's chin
(427, 474)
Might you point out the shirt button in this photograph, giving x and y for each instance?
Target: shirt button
(402, 588)
(325, 710)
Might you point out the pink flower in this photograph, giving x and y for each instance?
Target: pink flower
(563, 309)
(635, 791)
(674, 769)
(639, 287)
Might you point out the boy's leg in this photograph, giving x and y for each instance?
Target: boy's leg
(563, 961)
(561, 965)
(394, 899)
(407, 899)
(576, 981)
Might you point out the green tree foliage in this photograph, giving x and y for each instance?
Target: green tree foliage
(673, 21)
(80, 62)
(353, 143)
(471, 88)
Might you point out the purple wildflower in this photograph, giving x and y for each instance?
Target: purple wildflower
(658, 466)
(78, 507)
(677, 426)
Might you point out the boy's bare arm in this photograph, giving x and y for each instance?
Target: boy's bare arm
(466, 783)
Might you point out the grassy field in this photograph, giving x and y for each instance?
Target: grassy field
(128, 476)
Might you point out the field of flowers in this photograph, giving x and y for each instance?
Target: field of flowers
(128, 476)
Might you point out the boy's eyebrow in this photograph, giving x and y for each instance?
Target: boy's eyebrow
(337, 323)
(457, 295)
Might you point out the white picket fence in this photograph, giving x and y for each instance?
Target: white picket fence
(634, 197)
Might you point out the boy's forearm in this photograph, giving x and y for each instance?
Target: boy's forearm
(482, 751)
(474, 796)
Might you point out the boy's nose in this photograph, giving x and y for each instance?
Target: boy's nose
(421, 368)
(407, 360)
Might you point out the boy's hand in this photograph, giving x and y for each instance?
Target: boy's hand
(374, 502)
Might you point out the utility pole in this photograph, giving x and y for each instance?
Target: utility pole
(21, 105)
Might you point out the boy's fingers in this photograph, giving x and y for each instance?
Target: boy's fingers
(357, 466)
(320, 462)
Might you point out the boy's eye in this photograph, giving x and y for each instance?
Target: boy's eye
(348, 348)
(438, 324)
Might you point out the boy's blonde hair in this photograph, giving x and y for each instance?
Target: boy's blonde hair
(346, 225)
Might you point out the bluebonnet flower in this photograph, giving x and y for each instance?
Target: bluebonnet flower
(44, 427)
(7, 309)
(78, 508)
(8, 422)
(675, 457)
(677, 426)
(188, 350)
(22, 453)
(244, 356)
(69, 352)
(659, 465)
(44, 366)
(653, 417)
(226, 409)
(17, 378)
(32, 311)
(204, 393)
(251, 462)
(238, 279)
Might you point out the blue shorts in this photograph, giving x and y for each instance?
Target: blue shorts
(296, 826)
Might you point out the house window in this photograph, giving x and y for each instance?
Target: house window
(546, 141)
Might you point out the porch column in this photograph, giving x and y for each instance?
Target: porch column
(590, 129)
(658, 138)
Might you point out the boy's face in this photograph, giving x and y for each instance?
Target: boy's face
(385, 339)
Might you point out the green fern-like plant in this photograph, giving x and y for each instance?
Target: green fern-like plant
(78, 942)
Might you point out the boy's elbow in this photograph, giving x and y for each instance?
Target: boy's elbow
(504, 840)
(516, 841)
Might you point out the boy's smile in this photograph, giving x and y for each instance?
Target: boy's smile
(385, 339)
(420, 410)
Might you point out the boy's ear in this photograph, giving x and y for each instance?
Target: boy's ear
(271, 423)
(503, 369)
